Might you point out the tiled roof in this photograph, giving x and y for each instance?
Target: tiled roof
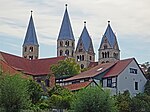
(92, 72)
(85, 39)
(111, 37)
(118, 68)
(30, 67)
(30, 38)
(113, 69)
(77, 86)
(92, 64)
(66, 29)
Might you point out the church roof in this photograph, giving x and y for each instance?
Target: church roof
(66, 29)
(85, 38)
(31, 38)
(109, 34)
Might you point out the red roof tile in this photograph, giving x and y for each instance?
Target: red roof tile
(31, 67)
(92, 72)
(77, 86)
(118, 68)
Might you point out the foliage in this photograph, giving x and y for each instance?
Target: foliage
(13, 93)
(93, 100)
(147, 88)
(65, 68)
(123, 102)
(60, 98)
(140, 103)
(35, 91)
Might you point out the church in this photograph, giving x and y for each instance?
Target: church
(109, 71)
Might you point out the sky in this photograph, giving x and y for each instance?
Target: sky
(130, 21)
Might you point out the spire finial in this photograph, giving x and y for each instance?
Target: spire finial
(31, 12)
(84, 23)
(108, 22)
(66, 5)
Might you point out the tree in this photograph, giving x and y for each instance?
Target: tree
(140, 103)
(35, 91)
(147, 87)
(123, 101)
(93, 99)
(60, 98)
(65, 68)
(13, 93)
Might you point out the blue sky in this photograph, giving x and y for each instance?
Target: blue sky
(130, 20)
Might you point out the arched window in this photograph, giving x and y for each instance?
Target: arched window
(25, 56)
(82, 57)
(25, 49)
(30, 57)
(103, 62)
(67, 43)
(82, 66)
(61, 43)
(90, 57)
(72, 44)
(107, 54)
(78, 58)
(103, 55)
(107, 61)
(61, 52)
(105, 46)
(31, 49)
(67, 52)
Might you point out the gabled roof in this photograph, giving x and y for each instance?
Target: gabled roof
(31, 38)
(118, 68)
(85, 39)
(109, 34)
(92, 72)
(66, 29)
(31, 67)
(78, 86)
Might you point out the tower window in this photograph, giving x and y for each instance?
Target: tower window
(30, 57)
(82, 66)
(90, 57)
(107, 54)
(102, 54)
(61, 43)
(67, 43)
(72, 52)
(67, 52)
(25, 49)
(105, 46)
(61, 52)
(78, 59)
(31, 49)
(72, 44)
(82, 57)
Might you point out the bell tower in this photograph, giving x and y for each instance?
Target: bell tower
(109, 49)
(30, 48)
(65, 41)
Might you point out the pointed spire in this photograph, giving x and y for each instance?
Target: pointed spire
(109, 34)
(66, 29)
(85, 38)
(31, 38)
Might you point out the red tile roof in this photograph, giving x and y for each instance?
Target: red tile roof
(118, 68)
(92, 72)
(77, 86)
(30, 67)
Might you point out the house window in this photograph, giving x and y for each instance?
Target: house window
(133, 70)
(109, 82)
(136, 86)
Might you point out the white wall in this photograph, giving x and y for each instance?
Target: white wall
(126, 80)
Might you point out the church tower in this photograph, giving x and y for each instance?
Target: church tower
(30, 46)
(65, 41)
(109, 49)
(84, 53)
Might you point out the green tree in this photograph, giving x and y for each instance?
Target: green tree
(60, 98)
(123, 102)
(93, 99)
(147, 87)
(13, 93)
(65, 68)
(140, 103)
(35, 91)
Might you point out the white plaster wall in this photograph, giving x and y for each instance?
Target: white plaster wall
(126, 80)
